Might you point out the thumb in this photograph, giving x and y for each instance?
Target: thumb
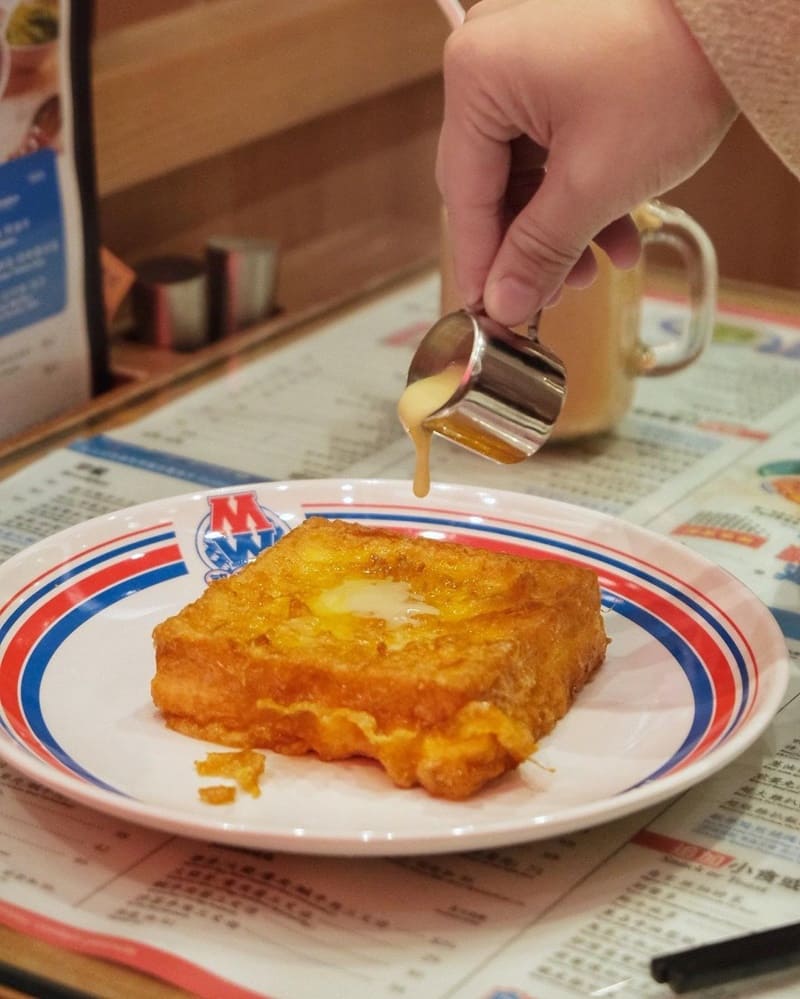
(540, 247)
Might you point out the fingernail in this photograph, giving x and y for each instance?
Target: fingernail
(509, 301)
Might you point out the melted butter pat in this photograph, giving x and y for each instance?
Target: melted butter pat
(389, 599)
(420, 400)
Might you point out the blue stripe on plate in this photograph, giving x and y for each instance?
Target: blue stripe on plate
(697, 676)
(673, 591)
(77, 570)
(48, 644)
(703, 694)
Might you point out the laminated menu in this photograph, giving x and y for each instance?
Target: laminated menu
(52, 336)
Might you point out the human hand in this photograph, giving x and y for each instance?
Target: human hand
(615, 95)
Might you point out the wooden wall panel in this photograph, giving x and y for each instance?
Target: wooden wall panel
(313, 122)
(112, 14)
(316, 120)
(750, 205)
(182, 87)
(369, 166)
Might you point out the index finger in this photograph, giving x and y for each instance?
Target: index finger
(472, 171)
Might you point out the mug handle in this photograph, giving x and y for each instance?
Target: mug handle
(672, 227)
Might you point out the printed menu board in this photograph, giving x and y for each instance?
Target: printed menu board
(52, 337)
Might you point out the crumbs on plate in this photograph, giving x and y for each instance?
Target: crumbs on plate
(243, 766)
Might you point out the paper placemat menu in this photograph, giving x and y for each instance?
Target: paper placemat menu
(710, 456)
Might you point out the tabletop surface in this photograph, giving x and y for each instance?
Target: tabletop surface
(708, 457)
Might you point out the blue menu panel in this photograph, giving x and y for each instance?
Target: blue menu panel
(32, 251)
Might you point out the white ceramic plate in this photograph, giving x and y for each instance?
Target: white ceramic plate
(695, 671)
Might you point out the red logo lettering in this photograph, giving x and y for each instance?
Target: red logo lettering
(237, 514)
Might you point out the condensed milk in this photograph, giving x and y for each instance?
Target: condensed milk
(482, 386)
(419, 401)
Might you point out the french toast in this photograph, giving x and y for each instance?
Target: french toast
(445, 663)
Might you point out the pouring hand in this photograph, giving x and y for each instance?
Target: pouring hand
(618, 98)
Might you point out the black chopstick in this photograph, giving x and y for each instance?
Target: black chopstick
(729, 960)
(29, 983)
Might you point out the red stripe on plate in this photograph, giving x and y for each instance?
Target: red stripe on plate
(82, 554)
(33, 627)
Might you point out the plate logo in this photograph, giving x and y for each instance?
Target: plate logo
(236, 529)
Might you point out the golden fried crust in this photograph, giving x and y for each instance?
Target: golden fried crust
(460, 659)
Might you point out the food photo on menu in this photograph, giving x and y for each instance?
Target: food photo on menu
(53, 353)
(30, 107)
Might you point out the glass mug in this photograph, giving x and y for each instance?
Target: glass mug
(596, 331)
